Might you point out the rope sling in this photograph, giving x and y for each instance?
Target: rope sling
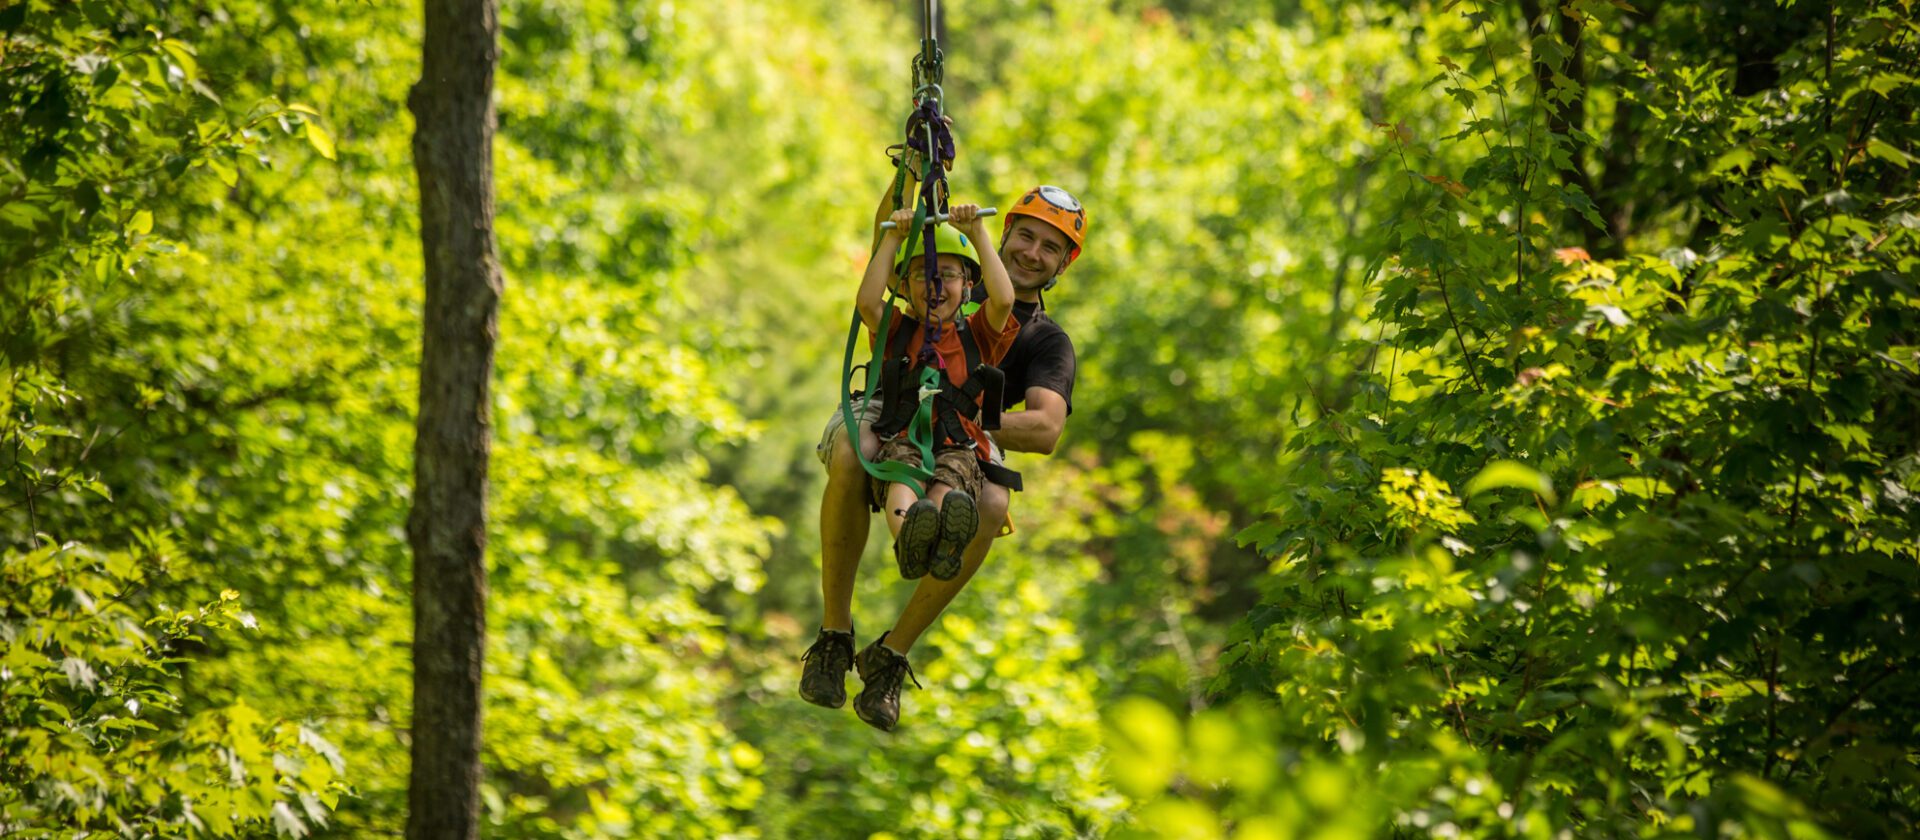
(929, 137)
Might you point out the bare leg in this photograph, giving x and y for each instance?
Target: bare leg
(844, 519)
(933, 595)
(899, 497)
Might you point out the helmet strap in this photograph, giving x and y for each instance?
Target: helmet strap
(1054, 280)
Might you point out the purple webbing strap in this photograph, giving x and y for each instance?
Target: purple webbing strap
(937, 148)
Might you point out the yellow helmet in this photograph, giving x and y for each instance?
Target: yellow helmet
(947, 241)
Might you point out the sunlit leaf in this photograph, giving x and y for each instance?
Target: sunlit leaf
(322, 141)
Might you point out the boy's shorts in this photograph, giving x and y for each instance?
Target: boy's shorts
(836, 425)
(953, 466)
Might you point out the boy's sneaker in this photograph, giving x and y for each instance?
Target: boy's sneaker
(918, 531)
(823, 676)
(883, 671)
(958, 520)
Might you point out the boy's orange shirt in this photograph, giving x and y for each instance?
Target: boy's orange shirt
(993, 344)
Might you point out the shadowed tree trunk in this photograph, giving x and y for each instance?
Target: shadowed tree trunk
(453, 114)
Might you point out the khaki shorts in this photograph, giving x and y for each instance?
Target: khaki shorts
(876, 495)
(837, 424)
(953, 466)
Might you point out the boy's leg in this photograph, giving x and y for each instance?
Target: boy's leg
(915, 523)
(958, 469)
(933, 595)
(937, 493)
(844, 520)
(900, 497)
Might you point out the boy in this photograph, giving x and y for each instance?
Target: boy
(930, 533)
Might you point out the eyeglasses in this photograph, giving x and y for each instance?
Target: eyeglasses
(944, 274)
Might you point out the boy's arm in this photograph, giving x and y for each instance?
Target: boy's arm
(999, 305)
(884, 211)
(871, 300)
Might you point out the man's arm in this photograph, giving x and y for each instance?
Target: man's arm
(1036, 429)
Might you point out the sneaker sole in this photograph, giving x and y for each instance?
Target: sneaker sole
(821, 702)
(918, 531)
(959, 519)
(882, 726)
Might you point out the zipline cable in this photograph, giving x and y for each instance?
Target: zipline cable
(928, 135)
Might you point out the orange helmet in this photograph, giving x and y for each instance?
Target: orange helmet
(1056, 207)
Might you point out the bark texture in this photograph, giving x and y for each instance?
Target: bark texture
(452, 106)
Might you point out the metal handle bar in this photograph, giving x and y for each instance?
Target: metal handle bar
(941, 217)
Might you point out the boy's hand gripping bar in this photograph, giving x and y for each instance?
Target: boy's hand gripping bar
(941, 217)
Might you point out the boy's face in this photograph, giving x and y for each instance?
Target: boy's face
(953, 286)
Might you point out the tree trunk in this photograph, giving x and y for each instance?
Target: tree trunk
(453, 114)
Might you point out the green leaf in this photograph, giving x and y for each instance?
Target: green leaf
(1887, 152)
(1257, 534)
(321, 140)
(287, 823)
(182, 55)
(1644, 487)
(224, 171)
(141, 223)
(1614, 315)
(1739, 157)
(1147, 737)
(1501, 474)
(94, 485)
(1886, 83)
(1780, 177)
(22, 215)
(78, 672)
(1850, 437)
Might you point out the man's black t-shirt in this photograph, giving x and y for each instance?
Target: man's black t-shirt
(1041, 356)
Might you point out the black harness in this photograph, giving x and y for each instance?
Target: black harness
(978, 400)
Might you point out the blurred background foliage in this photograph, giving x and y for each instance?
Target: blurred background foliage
(1494, 420)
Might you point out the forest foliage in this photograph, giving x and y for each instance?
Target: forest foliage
(1494, 420)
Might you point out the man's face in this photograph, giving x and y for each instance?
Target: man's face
(953, 285)
(1033, 253)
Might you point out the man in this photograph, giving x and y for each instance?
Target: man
(1043, 235)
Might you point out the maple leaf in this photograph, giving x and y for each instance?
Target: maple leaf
(1456, 188)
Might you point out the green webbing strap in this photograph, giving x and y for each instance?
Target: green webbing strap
(884, 471)
(920, 431)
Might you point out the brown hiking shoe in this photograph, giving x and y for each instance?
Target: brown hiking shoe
(918, 531)
(958, 520)
(823, 674)
(883, 671)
